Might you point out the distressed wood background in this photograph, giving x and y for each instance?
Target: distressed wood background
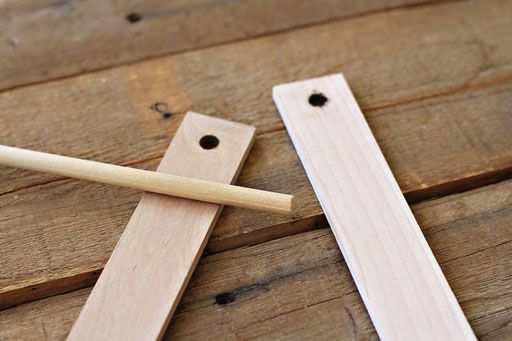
(111, 81)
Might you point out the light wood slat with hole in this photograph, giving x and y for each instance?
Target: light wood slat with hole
(400, 282)
(144, 278)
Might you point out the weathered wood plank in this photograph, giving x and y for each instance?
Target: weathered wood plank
(426, 142)
(44, 39)
(299, 286)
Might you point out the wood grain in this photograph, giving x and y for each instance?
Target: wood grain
(400, 282)
(43, 39)
(425, 113)
(300, 287)
(151, 265)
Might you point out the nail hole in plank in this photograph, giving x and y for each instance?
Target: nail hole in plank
(133, 17)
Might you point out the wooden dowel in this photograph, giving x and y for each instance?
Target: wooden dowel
(140, 179)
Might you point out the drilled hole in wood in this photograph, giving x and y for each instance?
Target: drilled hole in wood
(317, 100)
(133, 17)
(225, 298)
(209, 142)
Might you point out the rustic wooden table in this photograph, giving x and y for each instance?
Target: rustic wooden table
(111, 80)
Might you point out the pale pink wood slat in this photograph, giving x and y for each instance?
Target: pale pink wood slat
(400, 282)
(149, 268)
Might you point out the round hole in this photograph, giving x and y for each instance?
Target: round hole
(317, 100)
(209, 142)
(133, 17)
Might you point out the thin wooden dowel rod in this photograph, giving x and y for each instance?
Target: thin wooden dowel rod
(149, 181)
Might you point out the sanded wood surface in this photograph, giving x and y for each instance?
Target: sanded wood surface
(424, 120)
(148, 271)
(47, 39)
(400, 282)
(300, 287)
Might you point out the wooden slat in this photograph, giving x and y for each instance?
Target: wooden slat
(400, 282)
(148, 271)
(43, 40)
(299, 286)
(466, 101)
